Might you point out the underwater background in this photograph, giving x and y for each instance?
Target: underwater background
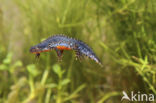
(122, 33)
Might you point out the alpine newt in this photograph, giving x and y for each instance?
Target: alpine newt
(60, 43)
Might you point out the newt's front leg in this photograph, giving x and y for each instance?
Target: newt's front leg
(59, 54)
(37, 55)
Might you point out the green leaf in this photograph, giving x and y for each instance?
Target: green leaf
(44, 77)
(65, 81)
(3, 67)
(32, 70)
(52, 85)
(75, 93)
(57, 70)
(7, 60)
(18, 64)
(107, 96)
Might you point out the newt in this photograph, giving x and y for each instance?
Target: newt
(59, 43)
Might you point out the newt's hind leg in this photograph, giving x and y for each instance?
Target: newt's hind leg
(59, 54)
(79, 55)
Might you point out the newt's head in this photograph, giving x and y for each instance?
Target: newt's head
(37, 49)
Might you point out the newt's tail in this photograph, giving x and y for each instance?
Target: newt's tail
(87, 51)
(95, 58)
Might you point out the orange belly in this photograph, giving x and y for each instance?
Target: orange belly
(63, 48)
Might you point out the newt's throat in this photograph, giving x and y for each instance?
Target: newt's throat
(47, 50)
(37, 52)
